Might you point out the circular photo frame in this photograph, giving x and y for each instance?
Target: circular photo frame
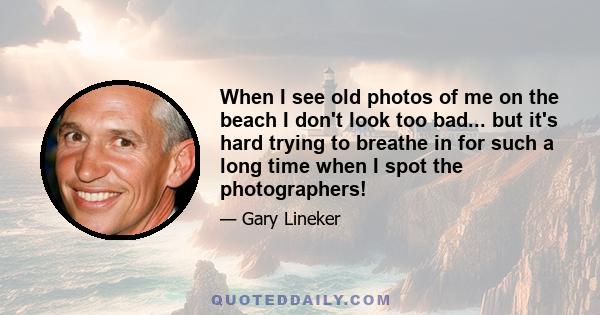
(120, 159)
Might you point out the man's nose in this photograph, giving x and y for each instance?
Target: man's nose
(92, 163)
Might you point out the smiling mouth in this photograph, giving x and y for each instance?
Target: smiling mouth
(96, 196)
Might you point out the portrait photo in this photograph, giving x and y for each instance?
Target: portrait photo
(120, 160)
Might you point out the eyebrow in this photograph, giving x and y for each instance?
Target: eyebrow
(68, 126)
(127, 133)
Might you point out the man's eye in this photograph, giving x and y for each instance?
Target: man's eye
(74, 137)
(122, 142)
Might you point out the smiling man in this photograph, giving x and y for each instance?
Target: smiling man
(122, 153)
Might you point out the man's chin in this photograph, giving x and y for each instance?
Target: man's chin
(94, 223)
(97, 227)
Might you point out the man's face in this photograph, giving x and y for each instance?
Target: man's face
(110, 164)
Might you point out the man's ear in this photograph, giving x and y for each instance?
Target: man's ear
(183, 156)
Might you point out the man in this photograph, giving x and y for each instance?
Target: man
(122, 152)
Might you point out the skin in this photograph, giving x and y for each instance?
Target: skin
(110, 144)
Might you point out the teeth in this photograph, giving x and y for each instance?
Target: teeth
(99, 196)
